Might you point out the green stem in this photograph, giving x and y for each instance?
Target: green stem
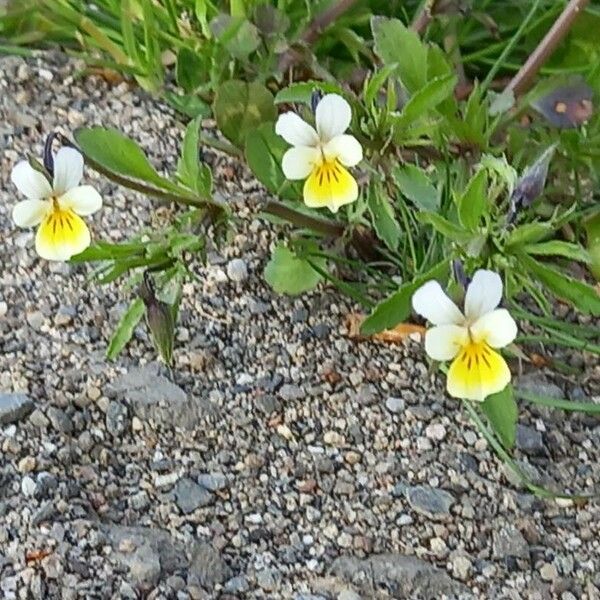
(509, 47)
(299, 219)
(560, 403)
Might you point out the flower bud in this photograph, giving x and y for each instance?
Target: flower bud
(159, 319)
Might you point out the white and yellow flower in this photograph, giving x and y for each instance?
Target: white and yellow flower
(321, 156)
(469, 340)
(58, 207)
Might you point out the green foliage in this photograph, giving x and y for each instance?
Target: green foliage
(290, 274)
(241, 107)
(415, 184)
(502, 414)
(125, 328)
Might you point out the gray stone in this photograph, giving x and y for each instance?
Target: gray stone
(144, 567)
(403, 576)
(508, 541)
(291, 392)
(39, 419)
(429, 501)
(212, 481)
(133, 544)
(237, 585)
(237, 270)
(189, 495)
(154, 397)
(268, 579)
(60, 420)
(207, 566)
(529, 440)
(394, 405)
(14, 407)
(117, 419)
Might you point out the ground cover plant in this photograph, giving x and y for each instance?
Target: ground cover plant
(429, 159)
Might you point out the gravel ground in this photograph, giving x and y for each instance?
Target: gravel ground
(285, 460)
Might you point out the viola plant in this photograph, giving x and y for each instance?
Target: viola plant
(470, 339)
(320, 156)
(56, 204)
(388, 158)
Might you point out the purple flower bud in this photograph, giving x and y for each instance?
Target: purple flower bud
(531, 184)
(315, 98)
(460, 276)
(48, 156)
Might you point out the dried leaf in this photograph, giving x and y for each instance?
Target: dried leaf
(392, 336)
(36, 555)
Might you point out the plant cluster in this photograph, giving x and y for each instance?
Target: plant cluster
(407, 159)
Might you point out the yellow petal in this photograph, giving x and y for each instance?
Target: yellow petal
(477, 372)
(330, 185)
(61, 235)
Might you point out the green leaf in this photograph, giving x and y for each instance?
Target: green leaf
(375, 83)
(396, 44)
(190, 72)
(384, 221)
(592, 229)
(502, 413)
(528, 233)
(397, 307)
(118, 154)
(189, 105)
(125, 328)
(106, 251)
(236, 34)
(264, 152)
(414, 183)
(559, 248)
(424, 100)
(581, 295)
(240, 107)
(472, 203)
(445, 227)
(288, 274)
(302, 92)
(190, 170)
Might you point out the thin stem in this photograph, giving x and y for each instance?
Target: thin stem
(314, 30)
(423, 17)
(509, 47)
(522, 80)
(324, 226)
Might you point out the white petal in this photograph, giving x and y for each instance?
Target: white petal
(29, 213)
(83, 200)
(68, 169)
(496, 328)
(30, 182)
(445, 341)
(483, 294)
(298, 162)
(346, 148)
(333, 116)
(431, 302)
(296, 131)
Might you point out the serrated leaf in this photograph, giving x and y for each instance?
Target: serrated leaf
(288, 274)
(424, 100)
(559, 248)
(240, 107)
(384, 221)
(397, 307)
(528, 233)
(396, 44)
(124, 330)
(414, 183)
(472, 203)
(502, 414)
(236, 34)
(445, 227)
(581, 295)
